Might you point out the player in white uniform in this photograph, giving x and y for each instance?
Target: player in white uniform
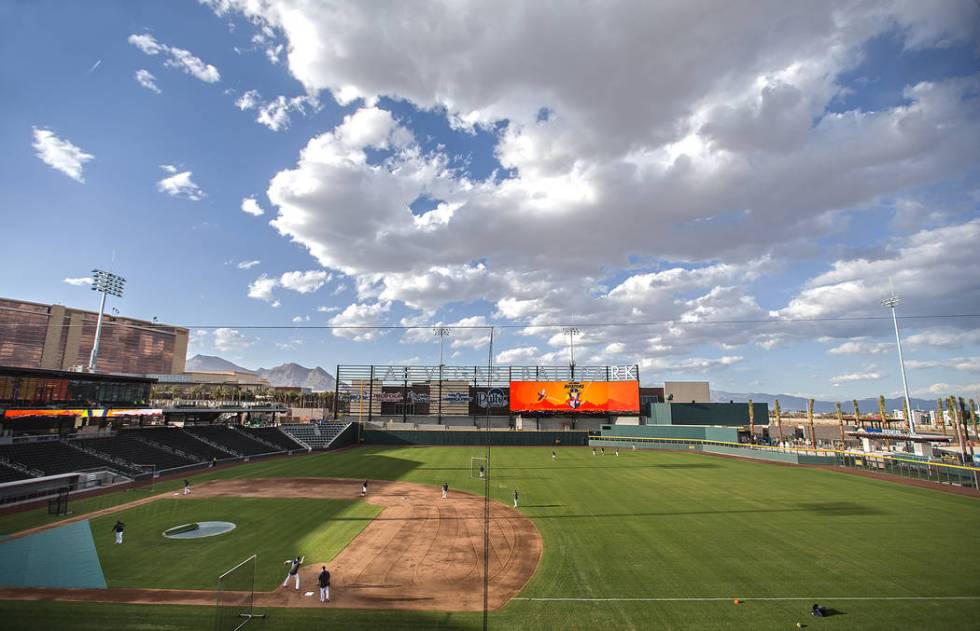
(445, 490)
(516, 498)
(293, 570)
(118, 529)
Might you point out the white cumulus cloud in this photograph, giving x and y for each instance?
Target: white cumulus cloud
(176, 58)
(180, 185)
(60, 154)
(250, 206)
(146, 79)
(82, 281)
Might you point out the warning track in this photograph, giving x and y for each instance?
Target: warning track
(421, 552)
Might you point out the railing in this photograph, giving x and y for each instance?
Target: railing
(167, 448)
(906, 467)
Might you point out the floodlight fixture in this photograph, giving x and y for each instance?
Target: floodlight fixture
(107, 284)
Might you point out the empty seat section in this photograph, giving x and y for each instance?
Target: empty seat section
(136, 452)
(228, 437)
(182, 441)
(316, 435)
(275, 436)
(11, 475)
(54, 457)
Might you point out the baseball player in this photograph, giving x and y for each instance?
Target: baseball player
(118, 529)
(293, 570)
(603, 450)
(445, 490)
(187, 487)
(634, 446)
(364, 488)
(516, 498)
(593, 451)
(481, 471)
(554, 456)
(324, 582)
(617, 451)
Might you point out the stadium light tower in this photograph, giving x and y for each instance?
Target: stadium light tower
(441, 332)
(105, 283)
(571, 332)
(890, 302)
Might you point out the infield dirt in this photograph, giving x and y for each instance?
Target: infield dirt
(421, 552)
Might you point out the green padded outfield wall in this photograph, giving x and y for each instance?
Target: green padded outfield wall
(696, 432)
(568, 438)
(730, 414)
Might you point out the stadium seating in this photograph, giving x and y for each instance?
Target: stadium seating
(8, 474)
(134, 451)
(180, 440)
(227, 437)
(54, 457)
(275, 436)
(317, 435)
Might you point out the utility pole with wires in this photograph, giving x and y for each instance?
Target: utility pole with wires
(106, 283)
(890, 302)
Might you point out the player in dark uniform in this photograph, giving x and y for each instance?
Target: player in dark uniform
(324, 582)
(364, 487)
(445, 490)
(516, 498)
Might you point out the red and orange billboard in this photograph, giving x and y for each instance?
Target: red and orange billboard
(581, 397)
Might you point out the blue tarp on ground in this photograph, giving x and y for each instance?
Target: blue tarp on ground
(59, 557)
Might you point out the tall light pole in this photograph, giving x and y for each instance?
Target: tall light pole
(571, 332)
(441, 332)
(890, 302)
(105, 283)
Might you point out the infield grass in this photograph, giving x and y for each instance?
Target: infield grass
(652, 524)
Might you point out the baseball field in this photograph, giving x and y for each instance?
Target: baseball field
(646, 539)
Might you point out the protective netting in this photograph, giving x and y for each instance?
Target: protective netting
(235, 596)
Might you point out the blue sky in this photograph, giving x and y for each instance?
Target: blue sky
(466, 166)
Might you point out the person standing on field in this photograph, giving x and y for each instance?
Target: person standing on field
(445, 490)
(324, 581)
(293, 570)
(554, 456)
(516, 498)
(187, 487)
(364, 488)
(118, 529)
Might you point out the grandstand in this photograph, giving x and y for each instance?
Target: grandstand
(318, 435)
(54, 457)
(9, 474)
(274, 437)
(131, 450)
(228, 438)
(181, 442)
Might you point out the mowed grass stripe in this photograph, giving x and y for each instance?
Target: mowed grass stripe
(274, 529)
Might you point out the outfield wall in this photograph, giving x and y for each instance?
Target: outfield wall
(568, 438)
(709, 446)
(693, 432)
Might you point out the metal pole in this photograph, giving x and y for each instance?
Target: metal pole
(486, 500)
(891, 302)
(93, 358)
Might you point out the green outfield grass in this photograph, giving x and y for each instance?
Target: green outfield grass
(642, 525)
(275, 529)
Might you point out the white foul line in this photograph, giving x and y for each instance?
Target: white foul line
(748, 598)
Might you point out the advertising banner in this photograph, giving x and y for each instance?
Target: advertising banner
(583, 397)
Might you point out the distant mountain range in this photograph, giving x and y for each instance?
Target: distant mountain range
(289, 374)
(789, 402)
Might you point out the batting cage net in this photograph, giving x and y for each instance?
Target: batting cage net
(236, 596)
(478, 468)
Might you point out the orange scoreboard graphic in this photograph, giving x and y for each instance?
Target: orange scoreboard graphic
(575, 396)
